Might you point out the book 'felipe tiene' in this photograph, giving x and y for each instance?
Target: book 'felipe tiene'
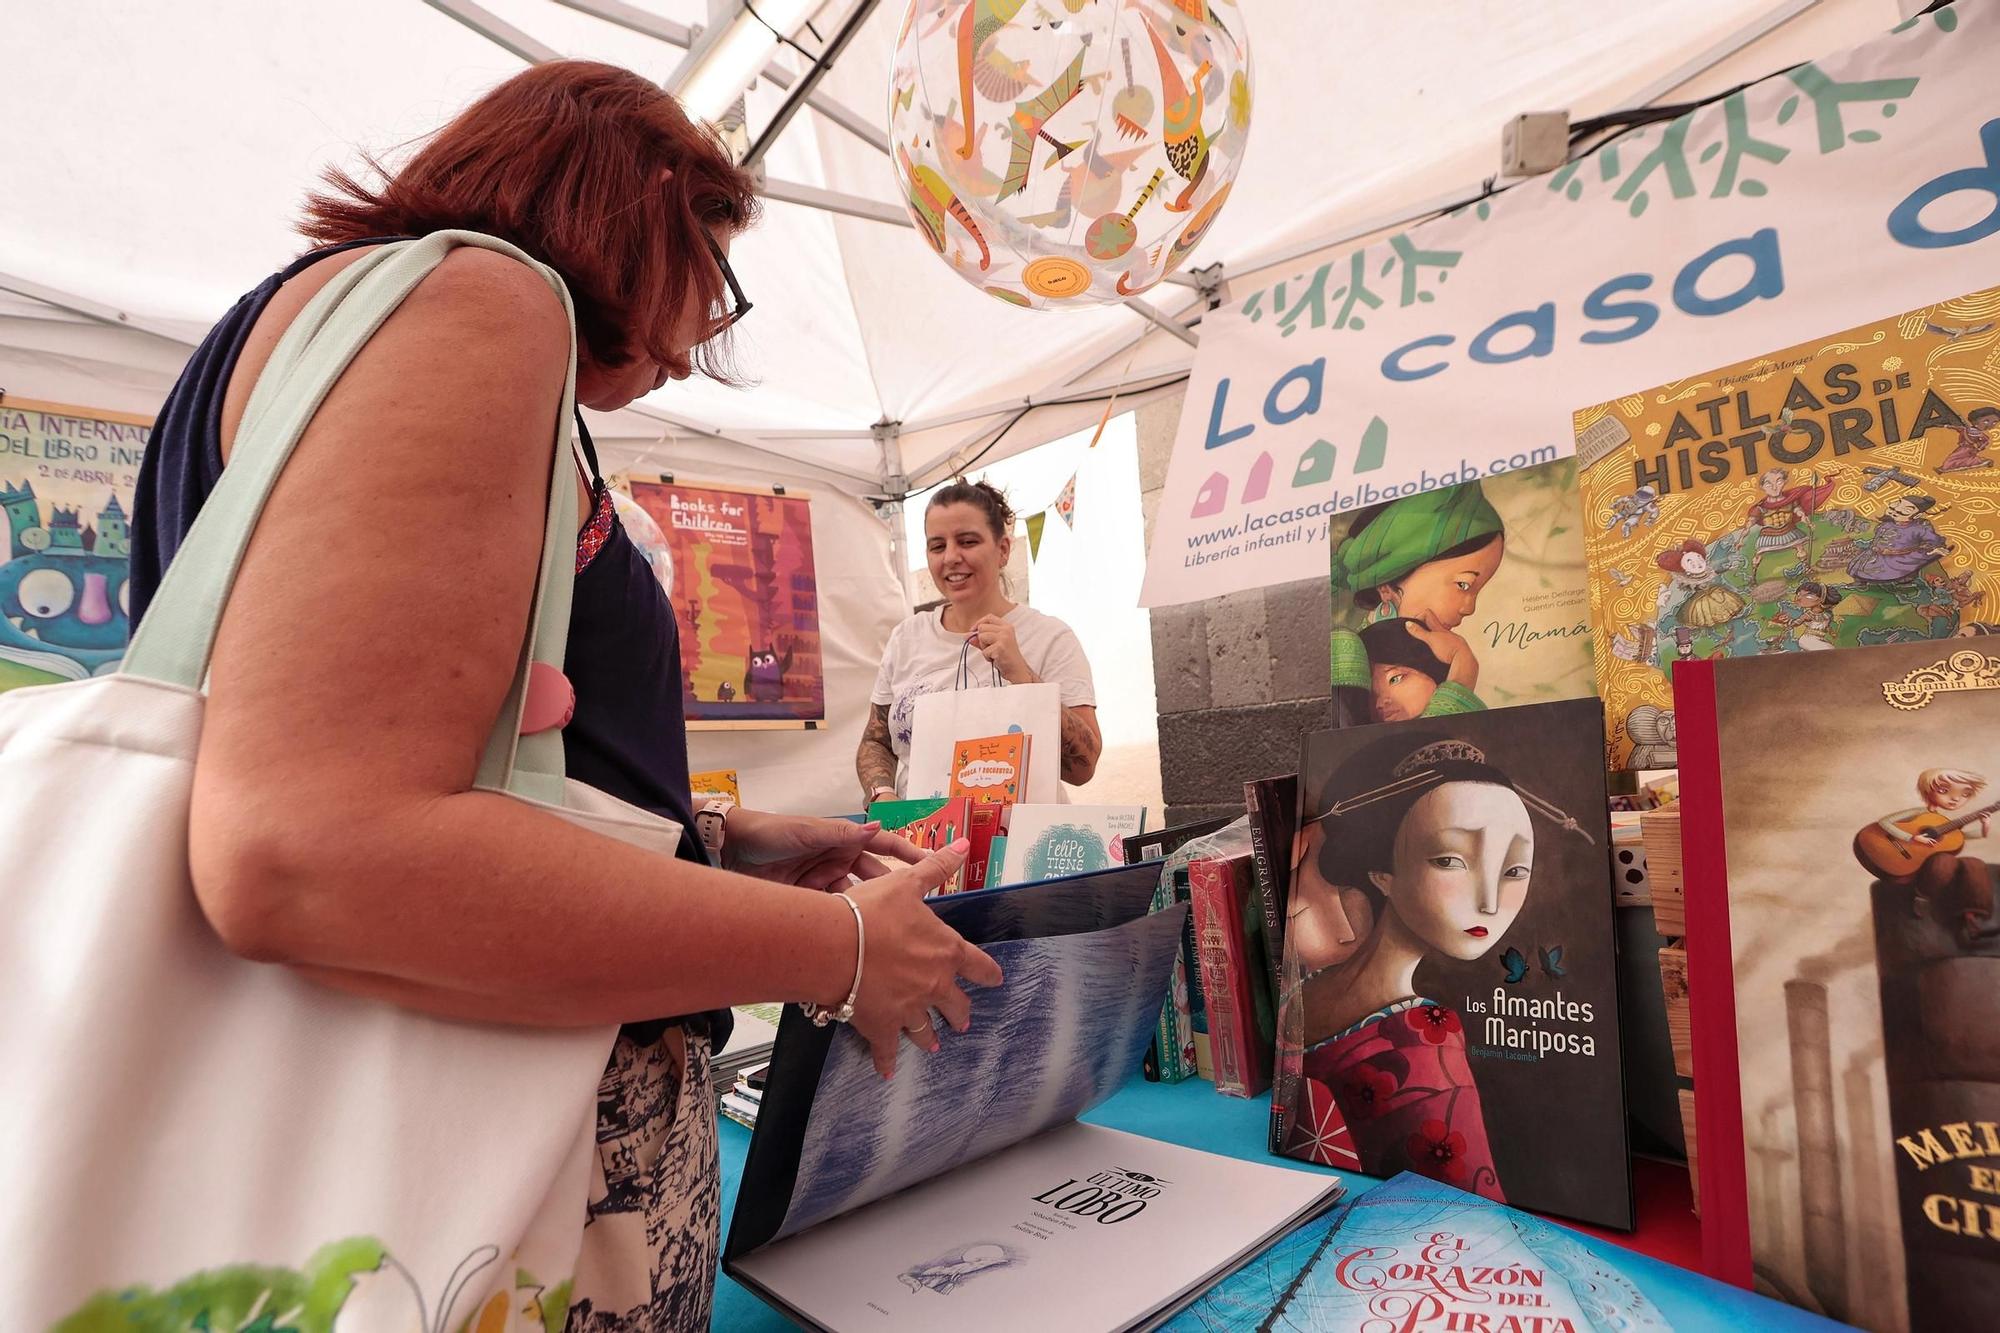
(1834, 494)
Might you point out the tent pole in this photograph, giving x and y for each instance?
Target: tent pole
(93, 310)
(809, 80)
(634, 19)
(1174, 327)
(888, 441)
(496, 30)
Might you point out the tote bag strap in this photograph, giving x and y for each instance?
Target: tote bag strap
(177, 637)
(964, 679)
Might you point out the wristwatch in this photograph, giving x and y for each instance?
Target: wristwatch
(710, 825)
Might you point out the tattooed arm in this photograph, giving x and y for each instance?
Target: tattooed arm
(1082, 743)
(875, 762)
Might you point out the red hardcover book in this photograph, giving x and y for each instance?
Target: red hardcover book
(1725, 1223)
(986, 822)
(1219, 890)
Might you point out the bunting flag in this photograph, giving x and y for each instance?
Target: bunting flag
(1035, 524)
(1066, 502)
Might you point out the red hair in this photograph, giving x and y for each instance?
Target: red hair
(1670, 559)
(565, 160)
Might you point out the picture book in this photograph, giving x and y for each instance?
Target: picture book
(986, 822)
(718, 785)
(942, 1197)
(1838, 821)
(930, 824)
(1231, 976)
(1158, 844)
(1450, 975)
(992, 770)
(1834, 494)
(1048, 841)
(1460, 598)
(1273, 808)
(1412, 1255)
(1172, 1056)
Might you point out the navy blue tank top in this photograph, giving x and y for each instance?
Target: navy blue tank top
(628, 736)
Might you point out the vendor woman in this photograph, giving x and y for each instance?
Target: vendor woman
(1420, 562)
(977, 639)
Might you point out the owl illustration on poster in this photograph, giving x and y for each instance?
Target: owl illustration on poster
(1065, 152)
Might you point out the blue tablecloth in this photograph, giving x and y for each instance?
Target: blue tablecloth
(1192, 1114)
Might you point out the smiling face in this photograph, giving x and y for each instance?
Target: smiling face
(1773, 484)
(1401, 692)
(1463, 857)
(1443, 592)
(1694, 564)
(965, 557)
(1901, 511)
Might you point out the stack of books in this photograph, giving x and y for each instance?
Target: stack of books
(749, 1047)
(743, 1098)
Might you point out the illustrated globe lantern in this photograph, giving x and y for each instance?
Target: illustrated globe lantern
(1062, 152)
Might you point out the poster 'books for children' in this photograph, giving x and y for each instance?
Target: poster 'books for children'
(1844, 977)
(1842, 492)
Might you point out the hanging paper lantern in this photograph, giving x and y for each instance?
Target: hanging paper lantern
(1058, 152)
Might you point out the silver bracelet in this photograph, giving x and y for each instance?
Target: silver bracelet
(819, 1013)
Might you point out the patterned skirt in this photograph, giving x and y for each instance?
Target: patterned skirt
(649, 1247)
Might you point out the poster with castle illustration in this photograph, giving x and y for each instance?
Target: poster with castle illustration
(745, 597)
(1842, 492)
(66, 480)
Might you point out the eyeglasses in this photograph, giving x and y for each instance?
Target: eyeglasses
(739, 304)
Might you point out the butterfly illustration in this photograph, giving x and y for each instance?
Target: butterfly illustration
(1552, 960)
(1516, 964)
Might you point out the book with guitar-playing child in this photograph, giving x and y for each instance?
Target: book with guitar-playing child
(1846, 1066)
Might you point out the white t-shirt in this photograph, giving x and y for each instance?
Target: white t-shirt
(924, 656)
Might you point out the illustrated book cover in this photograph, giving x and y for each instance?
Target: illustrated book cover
(992, 770)
(1049, 841)
(1842, 492)
(962, 1193)
(1843, 943)
(1450, 973)
(1412, 1255)
(930, 823)
(1461, 598)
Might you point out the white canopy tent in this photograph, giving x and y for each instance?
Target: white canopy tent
(155, 156)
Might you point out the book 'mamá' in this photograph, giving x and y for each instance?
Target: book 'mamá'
(1833, 494)
(1461, 598)
(1450, 974)
(1844, 977)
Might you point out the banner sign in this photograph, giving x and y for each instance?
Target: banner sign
(745, 598)
(1815, 200)
(66, 480)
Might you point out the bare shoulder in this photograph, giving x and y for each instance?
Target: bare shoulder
(508, 306)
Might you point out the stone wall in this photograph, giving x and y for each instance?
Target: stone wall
(1238, 679)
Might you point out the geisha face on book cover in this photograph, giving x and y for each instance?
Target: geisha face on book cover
(1450, 996)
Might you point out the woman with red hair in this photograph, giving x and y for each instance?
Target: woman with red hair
(376, 625)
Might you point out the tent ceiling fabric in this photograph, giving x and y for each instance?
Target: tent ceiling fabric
(157, 154)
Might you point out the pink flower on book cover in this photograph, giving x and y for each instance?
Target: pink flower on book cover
(1369, 1091)
(1433, 1022)
(1438, 1151)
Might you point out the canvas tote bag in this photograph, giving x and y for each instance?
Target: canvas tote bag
(188, 1139)
(973, 708)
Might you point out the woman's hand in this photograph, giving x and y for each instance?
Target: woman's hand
(913, 960)
(813, 853)
(1450, 647)
(996, 641)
